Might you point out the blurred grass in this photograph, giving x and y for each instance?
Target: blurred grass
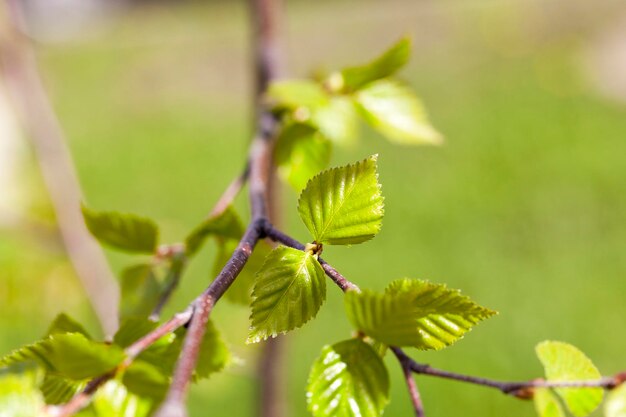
(523, 209)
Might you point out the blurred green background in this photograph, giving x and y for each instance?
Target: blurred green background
(523, 208)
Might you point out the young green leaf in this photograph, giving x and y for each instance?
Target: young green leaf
(337, 120)
(214, 354)
(343, 206)
(615, 405)
(59, 390)
(546, 404)
(75, 357)
(564, 362)
(71, 355)
(65, 324)
(225, 225)
(391, 108)
(292, 94)
(141, 289)
(301, 152)
(385, 65)
(115, 400)
(126, 232)
(414, 313)
(349, 379)
(289, 290)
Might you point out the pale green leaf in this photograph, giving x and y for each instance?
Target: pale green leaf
(349, 379)
(297, 93)
(414, 313)
(385, 65)
(19, 396)
(391, 108)
(124, 231)
(546, 404)
(141, 287)
(300, 153)
(115, 400)
(59, 390)
(343, 205)
(337, 120)
(214, 354)
(615, 405)
(65, 324)
(564, 362)
(226, 225)
(289, 290)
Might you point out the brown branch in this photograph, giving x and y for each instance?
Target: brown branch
(414, 393)
(20, 70)
(519, 389)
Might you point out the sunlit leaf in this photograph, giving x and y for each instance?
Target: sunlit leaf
(414, 313)
(297, 93)
(391, 108)
(546, 404)
(564, 362)
(337, 120)
(115, 400)
(65, 324)
(19, 396)
(141, 286)
(301, 152)
(124, 231)
(289, 290)
(385, 65)
(615, 405)
(226, 225)
(343, 205)
(349, 379)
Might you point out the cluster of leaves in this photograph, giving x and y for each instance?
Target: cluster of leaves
(52, 370)
(317, 113)
(339, 206)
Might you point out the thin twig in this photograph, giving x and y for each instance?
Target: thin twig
(230, 193)
(520, 389)
(414, 393)
(260, 152)
(19, 68)
(178, 261)
(276, 235)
